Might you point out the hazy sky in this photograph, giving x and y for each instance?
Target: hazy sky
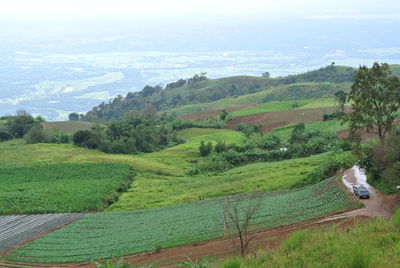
(268, 9)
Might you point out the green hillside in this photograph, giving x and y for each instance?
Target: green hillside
(200, 89)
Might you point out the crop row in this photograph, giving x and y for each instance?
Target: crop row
(59, 188)
(106, 235)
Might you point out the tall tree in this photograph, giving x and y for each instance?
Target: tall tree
(341, 98)
(375, 96)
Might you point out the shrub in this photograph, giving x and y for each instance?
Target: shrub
(36, 135)
(396, 219)
(295, 241)
(205, 149)
(232, 263)
(4, 136)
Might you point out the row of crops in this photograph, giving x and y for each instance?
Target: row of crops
(55, 188)
(106, 235)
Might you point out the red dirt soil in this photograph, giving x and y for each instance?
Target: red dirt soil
(214, 112)
(269, 121)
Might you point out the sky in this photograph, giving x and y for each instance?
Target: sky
(28, 10)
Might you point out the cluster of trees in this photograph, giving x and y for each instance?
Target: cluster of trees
(20, 125)
(375, 97)
(135, 133)
(258, 147)
(198, 90)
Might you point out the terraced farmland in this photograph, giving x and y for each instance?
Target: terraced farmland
(106, 235)
(17, 229)
(59, 188)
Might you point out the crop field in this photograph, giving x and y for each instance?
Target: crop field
(57, 188)
(297, 91)
(106, 235)
(66, 126)
(17, 229)
(161, 177)
(277, 106)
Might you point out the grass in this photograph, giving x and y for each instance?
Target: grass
(375, 243)
(116, 234)
(330, 126)
(161, 177)
(56, 188)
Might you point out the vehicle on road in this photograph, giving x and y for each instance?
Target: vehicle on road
(361, 191)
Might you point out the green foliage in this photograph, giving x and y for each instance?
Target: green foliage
(199, 89)
(295, 241)
(4, 136)
(374, 243)
(61, 137)
(106, 235)
(120, 264)
(202, 263)
(205, 149)
(396, 219)
(375, 96)
(328, 169)
(21, 123)
(248, 130)
(36, 135)
(232, 263)
(57, 188)
(382, 163)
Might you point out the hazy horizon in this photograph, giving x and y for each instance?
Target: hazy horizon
(62, 56)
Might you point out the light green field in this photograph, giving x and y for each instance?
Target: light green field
(330, 126)
(161, 177)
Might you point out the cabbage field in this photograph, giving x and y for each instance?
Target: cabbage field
(55, 188)
(105, 235)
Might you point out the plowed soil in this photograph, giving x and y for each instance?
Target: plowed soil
(269, 121)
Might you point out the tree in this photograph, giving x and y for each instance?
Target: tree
(223, 114)
(298, 133)
(239, 215)
(375, 96)
(341, 98)
(266, 75)
(73, 117)
(20, 124)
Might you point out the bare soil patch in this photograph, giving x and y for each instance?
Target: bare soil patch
(269, 121)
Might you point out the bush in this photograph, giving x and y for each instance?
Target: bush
(36, 135)
(61, 137)
(396, 219)
(84, 138)
(295, 241)
(205, 149)
(4, 136)
(232, 263)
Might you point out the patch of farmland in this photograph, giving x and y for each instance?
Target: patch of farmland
(66, 126)
(17, 229)
(106, 235)
(271, 120)
(59, 188)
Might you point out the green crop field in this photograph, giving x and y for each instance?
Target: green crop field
(56, 188)
(115, 234)
(161, 177)
(277, 106)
